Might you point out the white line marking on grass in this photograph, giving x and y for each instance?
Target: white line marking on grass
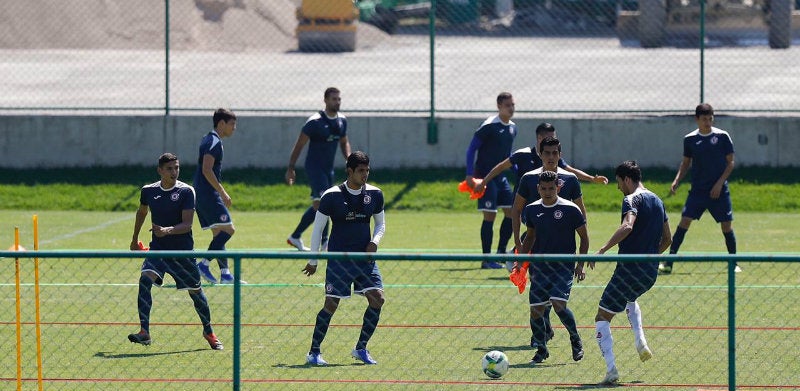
(85, 230)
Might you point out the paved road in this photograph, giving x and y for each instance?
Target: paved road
(545, 74)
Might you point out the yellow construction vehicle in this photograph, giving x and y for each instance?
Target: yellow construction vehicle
(326, 26)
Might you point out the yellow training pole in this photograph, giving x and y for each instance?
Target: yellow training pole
(38, 303)
(19, 312)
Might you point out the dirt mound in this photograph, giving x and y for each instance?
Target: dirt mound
(208, 25)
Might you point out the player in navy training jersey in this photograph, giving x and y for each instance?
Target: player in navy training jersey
(568, 186)
(552, 222)
(527, 159)
(212, 199)
(709, 152)
(324, 132)
(492, 143)
(350, 207)
(644, 230)
(172, 204)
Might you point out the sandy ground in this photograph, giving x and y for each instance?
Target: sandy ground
(206, 25)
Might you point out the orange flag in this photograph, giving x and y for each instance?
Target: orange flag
(464, 188)
(519, 277)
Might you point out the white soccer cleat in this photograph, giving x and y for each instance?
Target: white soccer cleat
(737, 269)
(611, 379)
(297, 243)
(644, 353)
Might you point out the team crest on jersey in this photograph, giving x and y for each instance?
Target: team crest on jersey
(175, 196)
(223, 218)
(367, 199)
(714, 140)
(558, 214)
(560, 182)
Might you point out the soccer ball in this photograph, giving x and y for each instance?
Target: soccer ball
(495, 364)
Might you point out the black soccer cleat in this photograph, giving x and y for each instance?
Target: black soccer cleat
(142, 338)
(577, 349)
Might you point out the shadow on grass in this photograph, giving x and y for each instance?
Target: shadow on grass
(139, 355)
(309, 366)
(599, 386)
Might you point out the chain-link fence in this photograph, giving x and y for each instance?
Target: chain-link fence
(410, 56)
(441, 315)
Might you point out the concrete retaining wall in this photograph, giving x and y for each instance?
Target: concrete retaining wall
(392, 142)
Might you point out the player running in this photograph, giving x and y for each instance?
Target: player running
(172, 204)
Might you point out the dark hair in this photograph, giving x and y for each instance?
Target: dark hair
(356, 159)
(549, 141)
(703, 109)
(223, 115)
(545, 127)
(547, 176)
(503, 96)
(166, 158)
(629, 169)
(330, 91)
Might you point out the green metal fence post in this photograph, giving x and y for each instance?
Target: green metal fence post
(237, 323)
(731, 324)
(433, 134)
(702, 50)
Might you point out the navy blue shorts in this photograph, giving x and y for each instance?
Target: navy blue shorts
(212, 212)
(498, 195)
(625, 287)
(341, 274)
(721, 208)
(183, 271)
(319, 181)
(550, 281)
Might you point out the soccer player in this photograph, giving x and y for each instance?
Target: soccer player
(350, 206)
(172, 204)
(212, 199)
(644, 230)
(492, 143)
(709, 152)
(527, 159)
(568, 188)
(323, 131)
(551, 223)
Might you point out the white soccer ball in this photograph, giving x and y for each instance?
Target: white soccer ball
(494, 364)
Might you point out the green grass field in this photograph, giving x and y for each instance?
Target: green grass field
(440, 316)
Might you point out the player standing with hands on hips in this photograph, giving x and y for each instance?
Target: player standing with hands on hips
(212, 199)
(172, 204)
(350, 206)
(709, 152)
(644, 230)
(323, 132)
